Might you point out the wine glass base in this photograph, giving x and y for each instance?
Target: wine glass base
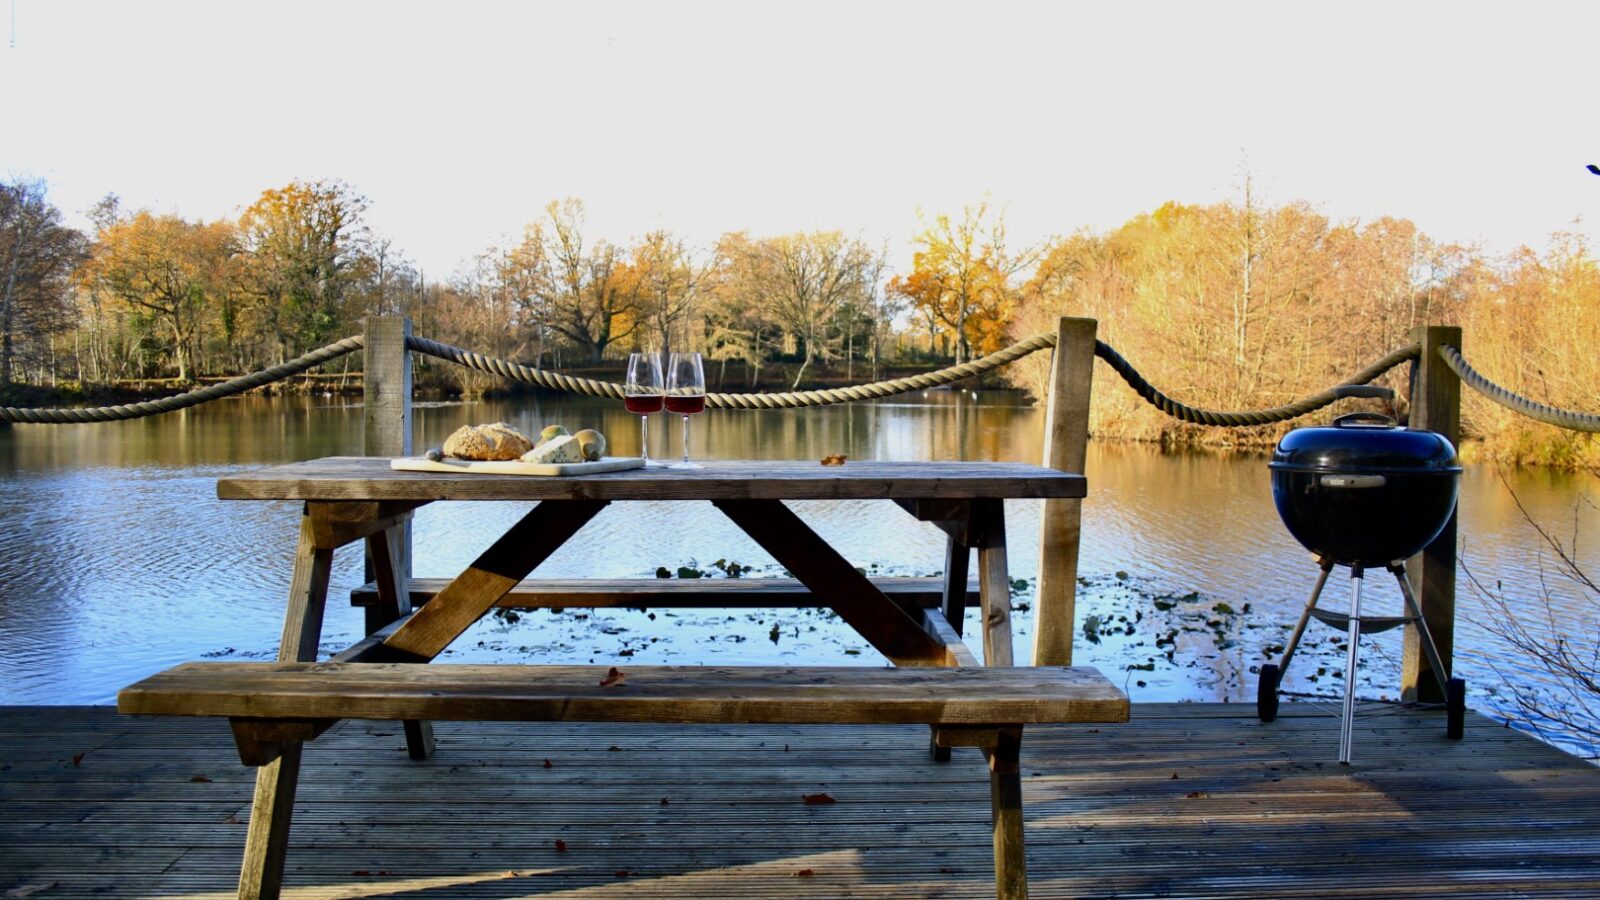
(656, 464)
(686, 465)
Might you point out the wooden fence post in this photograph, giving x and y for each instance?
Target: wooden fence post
(1066, 440)
(386, 394)
(1435, 406)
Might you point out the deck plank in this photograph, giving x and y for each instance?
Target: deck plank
(1185, 800)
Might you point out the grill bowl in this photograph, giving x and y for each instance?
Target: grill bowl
(1364, 491)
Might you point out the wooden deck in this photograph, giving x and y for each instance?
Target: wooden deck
(1184, 801)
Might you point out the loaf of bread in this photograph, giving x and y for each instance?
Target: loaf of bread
(487, 442)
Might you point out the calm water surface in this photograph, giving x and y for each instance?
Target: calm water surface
(116, 559)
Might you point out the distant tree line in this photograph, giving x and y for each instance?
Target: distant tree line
(1239, 306)
(1232, 305)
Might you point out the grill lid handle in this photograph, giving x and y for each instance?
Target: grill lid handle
(1353, 420)
(1365, 391)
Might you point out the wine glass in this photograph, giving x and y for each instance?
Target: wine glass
(642, 394)
(686, 395)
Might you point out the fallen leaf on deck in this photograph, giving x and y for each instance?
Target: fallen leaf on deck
(818, 799)
(663, 801)
(946, 870)
(836, 459)
(561, 846)
(805, 873)
(29, 890)
(621, 873)
(613, 678)
(1196, 795)
(548, 764)
(200, 779)
(77, 759)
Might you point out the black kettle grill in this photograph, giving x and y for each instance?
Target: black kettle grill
(1363, 492)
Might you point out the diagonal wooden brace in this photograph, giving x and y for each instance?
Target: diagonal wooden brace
(820, 567)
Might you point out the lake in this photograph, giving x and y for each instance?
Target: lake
(117, 560)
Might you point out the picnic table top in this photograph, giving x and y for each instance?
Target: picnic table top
(370, 478)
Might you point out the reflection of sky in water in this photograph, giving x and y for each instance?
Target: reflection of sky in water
(118, 560)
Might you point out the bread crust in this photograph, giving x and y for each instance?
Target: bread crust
(497, 441)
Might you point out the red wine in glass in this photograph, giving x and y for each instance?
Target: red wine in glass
(643, 404)
(642, 391)
(687, 406)
(686, 395)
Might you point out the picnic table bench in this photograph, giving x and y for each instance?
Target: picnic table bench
(274, 708)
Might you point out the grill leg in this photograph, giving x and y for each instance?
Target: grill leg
(1305, 616)
(1415, 612)
(1347, 723)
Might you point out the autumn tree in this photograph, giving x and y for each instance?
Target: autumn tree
(37, 256)
(171, 269)
(737, 323)
(961, 274)
(306, 248)
(804, 279)
(669, 277)
(579, 291)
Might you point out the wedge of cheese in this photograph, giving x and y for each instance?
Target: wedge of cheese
(563, 449)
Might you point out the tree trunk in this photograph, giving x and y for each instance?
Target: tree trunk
(6, 308)
(802, 373)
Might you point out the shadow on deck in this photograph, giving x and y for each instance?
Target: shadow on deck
(1184, 801)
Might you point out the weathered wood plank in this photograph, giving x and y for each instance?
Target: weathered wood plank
(1005, 800)
(494, 573)
(336, 523)
(387, 555)
(308, 596)
(645, 693)
(1493, 816)
(267, 839)
(764, 593)
(1435, 406)
(956, 650)
(1066, 442)
(994, 582)
(369, 478)
(957, 596)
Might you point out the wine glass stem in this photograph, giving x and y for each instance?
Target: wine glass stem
(685, 438)
(644, 438)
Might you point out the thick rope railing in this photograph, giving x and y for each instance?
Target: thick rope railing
(1550, 415)
(188, 398)
(1186, 413)
(788, 399)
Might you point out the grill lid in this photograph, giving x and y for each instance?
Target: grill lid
(1365, 443)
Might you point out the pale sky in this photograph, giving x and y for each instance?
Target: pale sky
(459, 121)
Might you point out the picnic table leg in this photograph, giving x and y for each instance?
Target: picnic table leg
(1005, 794)
(994, 581)
(394, 601)
(267, 841)
(957, 557)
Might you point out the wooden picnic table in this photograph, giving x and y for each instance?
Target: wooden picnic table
(350, 499)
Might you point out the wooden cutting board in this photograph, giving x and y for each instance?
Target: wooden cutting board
(513, 467)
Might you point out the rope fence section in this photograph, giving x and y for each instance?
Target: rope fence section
(822, 397)
(187, 398)
(1550, 415)
(789, 399)
(1251, 418)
